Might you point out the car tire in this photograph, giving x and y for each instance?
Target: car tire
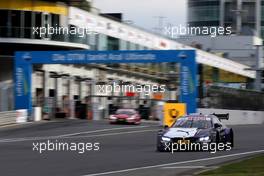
(231, 138)
(160, 149)
(217, 138)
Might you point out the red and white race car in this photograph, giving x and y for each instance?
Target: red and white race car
(125, 116)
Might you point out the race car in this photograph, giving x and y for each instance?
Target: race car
(130, 116)
(196, 129)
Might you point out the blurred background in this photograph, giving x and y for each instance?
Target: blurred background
(230, 80)
(230, 67)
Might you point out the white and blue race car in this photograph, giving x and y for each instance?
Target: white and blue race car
(196, 129)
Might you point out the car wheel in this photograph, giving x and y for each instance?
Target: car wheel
(160, 149)
(159, 146)
(217, 138)
(231, 138)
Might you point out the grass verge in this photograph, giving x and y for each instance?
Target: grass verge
(249, 167)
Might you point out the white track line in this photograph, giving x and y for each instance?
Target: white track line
(101, 130)
(71, 137)
(111, 134)
(176, 163)
(190, 167)
(72, 134)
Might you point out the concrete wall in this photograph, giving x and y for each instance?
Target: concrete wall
(238, 117)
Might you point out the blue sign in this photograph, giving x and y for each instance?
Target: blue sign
(25, 60)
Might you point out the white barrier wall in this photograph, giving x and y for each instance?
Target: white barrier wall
(238, 117)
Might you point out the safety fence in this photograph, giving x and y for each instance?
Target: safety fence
(8, 117)
(6, 96)
(230, 98)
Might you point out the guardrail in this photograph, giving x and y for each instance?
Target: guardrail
(8, 117)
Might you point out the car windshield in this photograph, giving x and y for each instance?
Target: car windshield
(193, 122)
(127, 112)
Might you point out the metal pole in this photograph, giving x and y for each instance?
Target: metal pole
(258, 18)
(222, 13)
(239, 17)
(258, 67)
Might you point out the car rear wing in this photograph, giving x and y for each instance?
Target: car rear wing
(222, 116)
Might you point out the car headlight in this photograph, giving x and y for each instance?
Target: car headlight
(131, 118)
(112, 117)
(165, 139)
(204, 139)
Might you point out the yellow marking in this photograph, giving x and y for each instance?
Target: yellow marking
(183, 142)
(172, 111)
(36, 6)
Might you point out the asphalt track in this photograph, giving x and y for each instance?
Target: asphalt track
(124, 150)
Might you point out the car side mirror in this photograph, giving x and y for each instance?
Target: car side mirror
(217, 125)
